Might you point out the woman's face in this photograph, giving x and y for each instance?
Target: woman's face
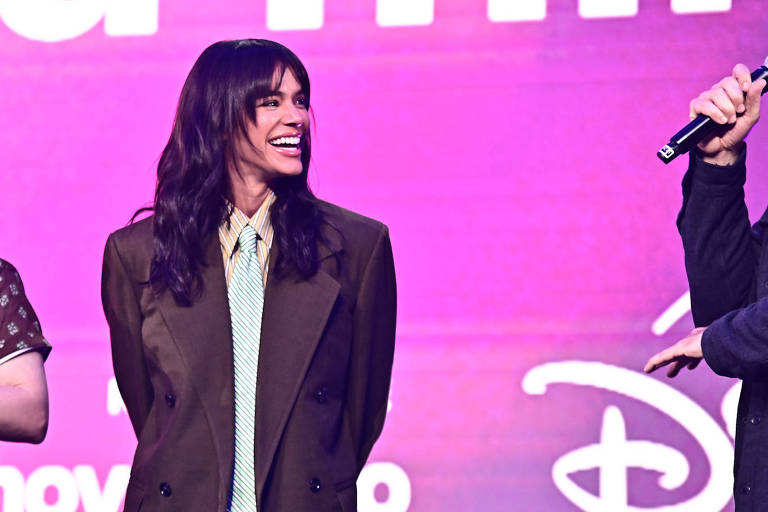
(275, 140)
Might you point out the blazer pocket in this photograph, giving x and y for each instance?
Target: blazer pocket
(346, 493)
(134, 496)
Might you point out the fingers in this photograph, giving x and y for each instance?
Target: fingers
(683, 362)
(725, 100)
(663, 358)
(730, 86)
(742, 76)
(656, 361)
(715, 104)
(675, 368)
(722, 102)
(675, 357)
(675, 364)
(685, 353)
(752, 100)
(703, 105)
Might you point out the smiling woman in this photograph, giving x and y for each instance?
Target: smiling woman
(252, 324)
(272, 148)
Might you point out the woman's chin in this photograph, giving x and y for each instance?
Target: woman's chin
(287, 171)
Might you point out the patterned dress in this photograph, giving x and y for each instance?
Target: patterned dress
(19, 328)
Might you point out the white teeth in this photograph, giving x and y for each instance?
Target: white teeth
(294, 141)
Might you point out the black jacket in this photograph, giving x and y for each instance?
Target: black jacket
(727, 264)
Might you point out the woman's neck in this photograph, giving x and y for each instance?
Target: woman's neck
(247, 194)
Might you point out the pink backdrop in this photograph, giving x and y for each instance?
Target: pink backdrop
(533, 230)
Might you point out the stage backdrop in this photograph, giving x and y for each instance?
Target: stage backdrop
(510, 147)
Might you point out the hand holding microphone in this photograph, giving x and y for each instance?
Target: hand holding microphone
(721, 117)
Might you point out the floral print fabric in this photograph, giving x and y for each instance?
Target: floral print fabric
(19, 327)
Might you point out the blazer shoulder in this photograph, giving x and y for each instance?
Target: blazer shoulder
(137, 232)
(353, 226)
(133, 245)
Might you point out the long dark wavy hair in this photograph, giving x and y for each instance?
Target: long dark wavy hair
(219, 97)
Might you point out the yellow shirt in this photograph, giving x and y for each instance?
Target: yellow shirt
(229, 232)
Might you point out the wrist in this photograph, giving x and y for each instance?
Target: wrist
(723, 157)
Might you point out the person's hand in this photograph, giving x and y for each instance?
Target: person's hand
(726, 105)
(686, 352)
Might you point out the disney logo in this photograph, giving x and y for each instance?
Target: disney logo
(614, 453)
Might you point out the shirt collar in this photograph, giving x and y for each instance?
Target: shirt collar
(229, 230)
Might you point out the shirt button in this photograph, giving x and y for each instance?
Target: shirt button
(321, 396)
(170, 399)
(314, 485)
(754, 420)
(165, 490)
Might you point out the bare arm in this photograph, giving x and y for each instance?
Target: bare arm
(23, 399)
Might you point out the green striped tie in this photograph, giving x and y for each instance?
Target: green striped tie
(246, 302)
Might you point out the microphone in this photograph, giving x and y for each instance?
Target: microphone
(684, 140)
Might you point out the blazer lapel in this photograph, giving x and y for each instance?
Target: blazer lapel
(295, 314)
(294, 317)
(203, 335)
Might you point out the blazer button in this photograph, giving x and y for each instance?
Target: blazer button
(170, 399)
(746, 489)
(321, 396)
(165, 489)
(754, 420)
(314, 485)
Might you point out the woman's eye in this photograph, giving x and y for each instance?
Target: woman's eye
(269, 103)
(301, 101)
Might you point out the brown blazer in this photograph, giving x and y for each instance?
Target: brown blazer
(324, 369)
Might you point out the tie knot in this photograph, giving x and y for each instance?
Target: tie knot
(247, 239)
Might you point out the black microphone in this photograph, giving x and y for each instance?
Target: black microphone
(684, 140)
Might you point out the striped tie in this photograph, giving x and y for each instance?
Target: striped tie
(246, 302)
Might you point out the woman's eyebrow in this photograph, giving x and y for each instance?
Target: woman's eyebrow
(281, 93)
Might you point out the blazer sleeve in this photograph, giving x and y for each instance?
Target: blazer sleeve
(721, 250)
(736, 345)
(373, 348)
(121, 307)
(722, 254)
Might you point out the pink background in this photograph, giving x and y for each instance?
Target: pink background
(515, 166)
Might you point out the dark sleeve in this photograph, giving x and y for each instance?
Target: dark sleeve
(736, 345)
(721, 249)
(722, 253)
(373, 348)
(20, 330)
(119, 298)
